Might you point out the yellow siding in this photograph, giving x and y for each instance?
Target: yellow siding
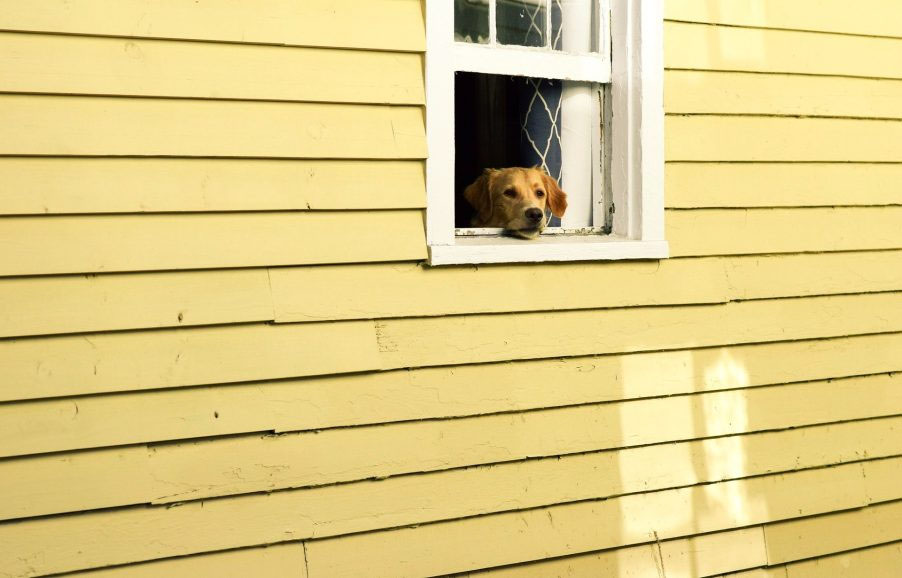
(218, 335)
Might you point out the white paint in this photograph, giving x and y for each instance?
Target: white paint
(635, 134)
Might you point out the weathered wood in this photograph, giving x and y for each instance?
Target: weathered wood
(100, 126)
(375, 24)
(47, 305)
(483, 338)
(877, 17)
(93, 363)
(410, 290)
(836, 532)
(760, 231)
(632, 561)
(324, 402)
(37, 63)
(562, 530)
(704, 92)
(81, 244)
(784, 139)
(274, 561)
(128, 535)
(104, 185)
(705, 47)
(877, 562)
(701, 185)
(712, 554)
(196, 470)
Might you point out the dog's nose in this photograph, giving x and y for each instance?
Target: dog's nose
(534, 215)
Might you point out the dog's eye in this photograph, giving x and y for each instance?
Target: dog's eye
(540, 194)
(510, 193)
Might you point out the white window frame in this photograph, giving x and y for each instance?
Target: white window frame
(634, 133)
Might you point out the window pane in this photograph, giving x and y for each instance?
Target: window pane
(471, 21)
(521, 22)
(573, 25)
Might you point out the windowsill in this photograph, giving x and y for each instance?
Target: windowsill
(472, 250)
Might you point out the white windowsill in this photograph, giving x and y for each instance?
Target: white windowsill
(546, 248)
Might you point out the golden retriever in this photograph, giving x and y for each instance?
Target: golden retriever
(515, 199)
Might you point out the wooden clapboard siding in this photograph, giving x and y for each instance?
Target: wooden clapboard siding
(80, 244)
(784, 139)
(727, 48)
(408, 290)
(83, 65)
(37, 186)
(376, 24)
(77, 303)
(93, 363)
(739, 185)
(317, 403)
(327, 402)
(100, 126)
(282, 560)
(758, 231)
(441, 341)
(876, 562)
(574, 528)
(831, 533)
(216, 329)
(704, 92)
(762, 277)
(195, 470)
(110, 537)
(876, 18)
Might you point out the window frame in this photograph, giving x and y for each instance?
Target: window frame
(634, 132)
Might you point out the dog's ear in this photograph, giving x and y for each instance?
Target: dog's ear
(557, 199)
(479, 195)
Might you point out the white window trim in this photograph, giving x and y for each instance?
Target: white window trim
(635, 133)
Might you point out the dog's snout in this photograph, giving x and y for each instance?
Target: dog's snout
(534, 214)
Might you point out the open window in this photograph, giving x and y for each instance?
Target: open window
(571, 86)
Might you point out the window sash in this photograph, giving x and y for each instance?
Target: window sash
(532, 62)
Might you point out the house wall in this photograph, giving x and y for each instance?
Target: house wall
(218, 334)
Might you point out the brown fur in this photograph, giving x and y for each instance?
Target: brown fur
(503, 197)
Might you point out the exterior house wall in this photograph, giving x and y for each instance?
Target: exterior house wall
(222, 355)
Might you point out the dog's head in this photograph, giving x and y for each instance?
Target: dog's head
(515, 199)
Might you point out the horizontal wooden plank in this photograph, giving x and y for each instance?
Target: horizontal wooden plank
(96, 185)
(705, 47)
(379, 24)
(704, 92)
(699, 185)
(561, 530)
(712, 554)
(47, 305)
(324, 402)
(761, 231)
(877, 562)
(877, 17)
(483, 338)
(632, 561)
(93, 363)
(813, 274)
(197, 470)
(50, 64)
(275, 561)
(102, 126)
(876, 476)
(81, 244)
(410, 290)
(832, 533)
(766, 138)
(131, 535)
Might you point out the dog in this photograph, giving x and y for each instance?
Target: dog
(515, 200)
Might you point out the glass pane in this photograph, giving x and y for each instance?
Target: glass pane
(471, 21)
(573, 27)
(522, 22)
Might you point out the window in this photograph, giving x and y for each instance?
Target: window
(575, 86)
